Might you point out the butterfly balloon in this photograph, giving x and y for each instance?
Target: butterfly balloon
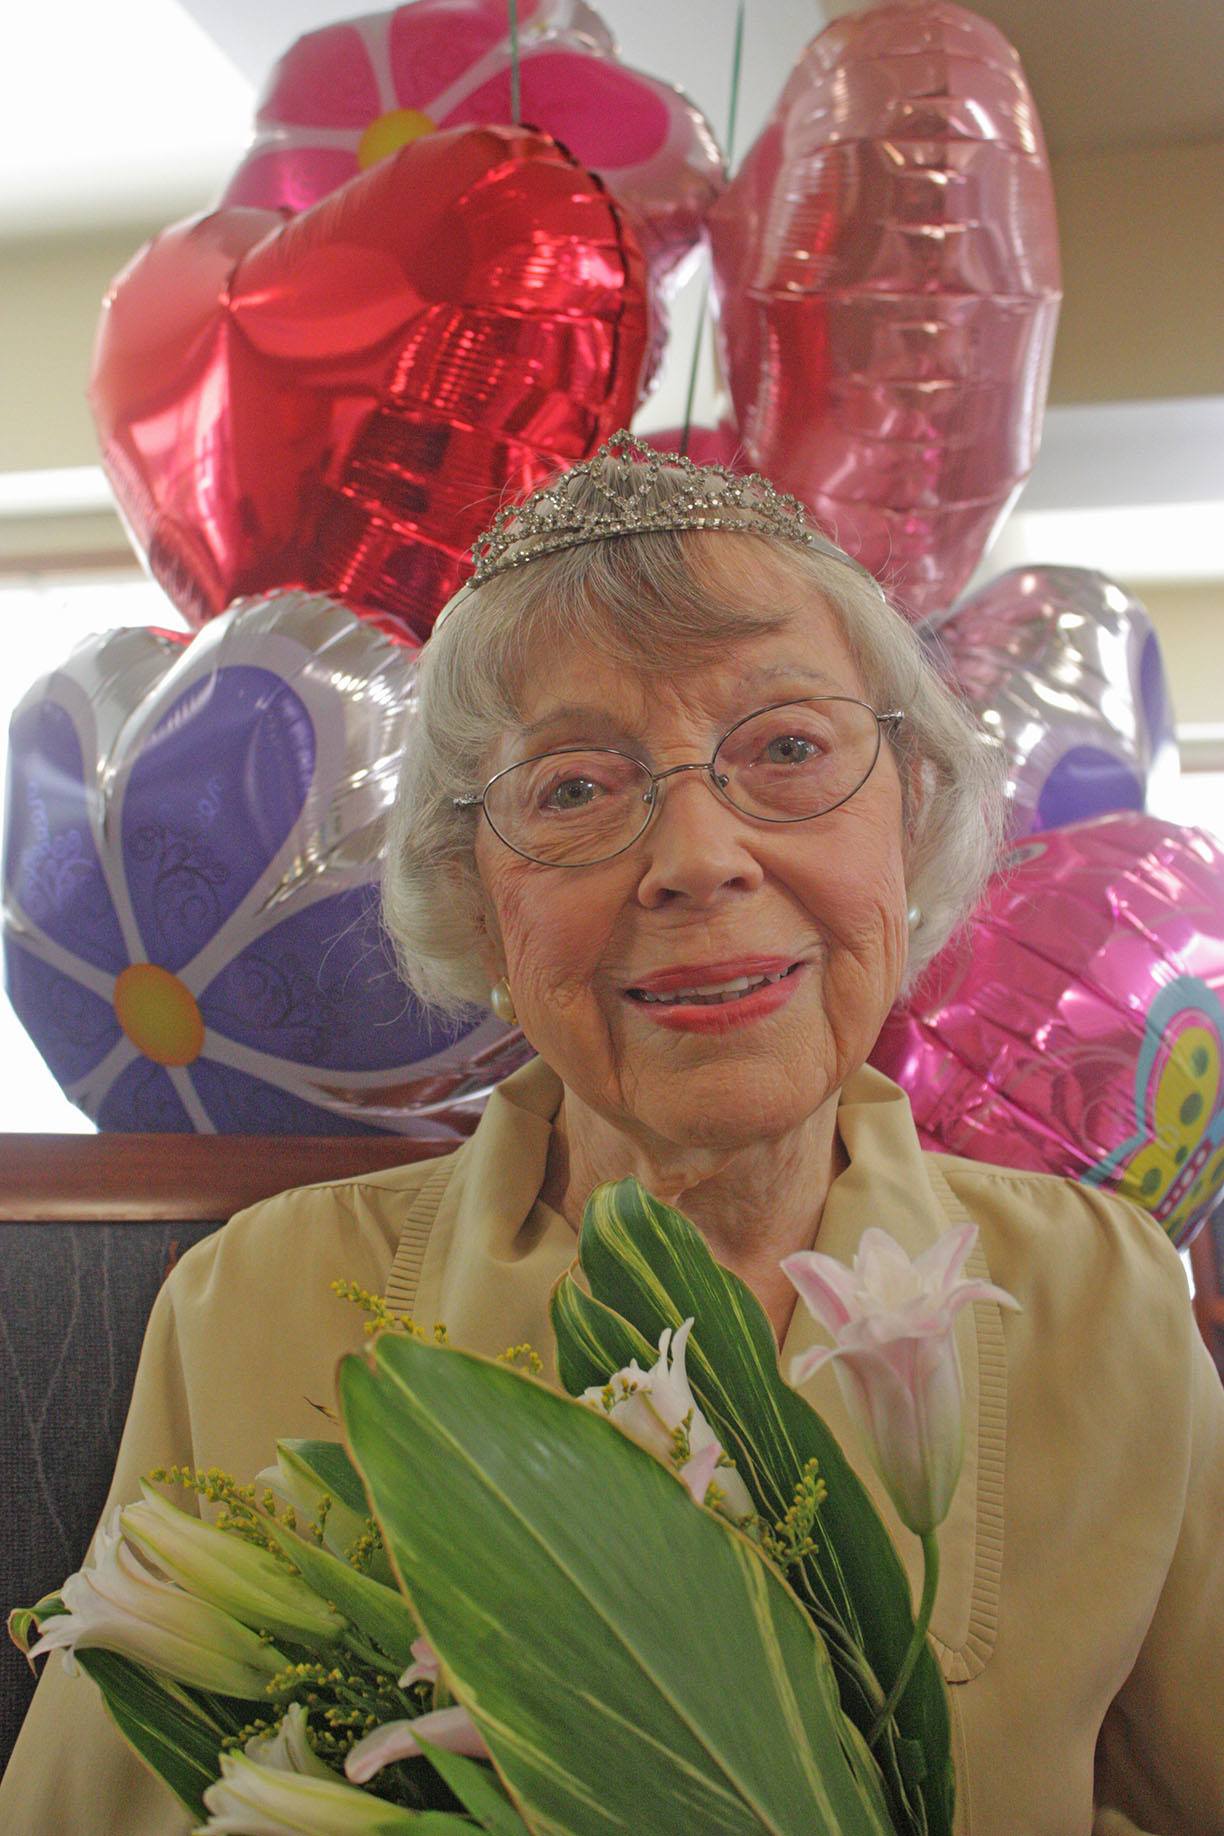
(1078, 1026)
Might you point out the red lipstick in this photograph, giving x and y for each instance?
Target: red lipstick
(716, 1016)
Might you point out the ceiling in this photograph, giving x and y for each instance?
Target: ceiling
(146, 116)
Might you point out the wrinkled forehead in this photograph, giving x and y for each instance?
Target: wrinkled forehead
(578, 692)
(659, 615)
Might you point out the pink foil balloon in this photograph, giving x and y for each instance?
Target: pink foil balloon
(887, 265)
(1078, 1027)
(1063, 669)
(348, 94)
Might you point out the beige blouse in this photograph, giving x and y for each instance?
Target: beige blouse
(1080, 1613)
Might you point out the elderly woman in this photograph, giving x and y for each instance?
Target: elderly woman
(683, 799)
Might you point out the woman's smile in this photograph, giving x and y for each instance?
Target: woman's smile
(714, 997)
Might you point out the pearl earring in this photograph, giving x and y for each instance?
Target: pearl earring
(914, 917)
(502, 1002)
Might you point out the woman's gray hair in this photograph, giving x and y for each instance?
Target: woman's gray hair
(652, 603)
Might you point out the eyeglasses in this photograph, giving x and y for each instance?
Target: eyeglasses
(586, 804)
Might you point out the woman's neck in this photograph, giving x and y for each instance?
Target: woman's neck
(753, 1205)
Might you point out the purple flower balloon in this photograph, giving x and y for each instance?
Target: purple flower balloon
(1063, 669)
(191, 885)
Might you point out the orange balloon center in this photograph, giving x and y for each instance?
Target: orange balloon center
(390, 132)
(158, 1014)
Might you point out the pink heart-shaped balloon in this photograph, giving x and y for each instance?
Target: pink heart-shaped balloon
(340, 402)
(887, 263)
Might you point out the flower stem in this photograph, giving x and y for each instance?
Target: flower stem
(930, 1581)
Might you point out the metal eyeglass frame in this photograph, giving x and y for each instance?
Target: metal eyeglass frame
(718, 782)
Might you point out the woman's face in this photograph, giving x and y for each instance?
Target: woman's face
(706, 893)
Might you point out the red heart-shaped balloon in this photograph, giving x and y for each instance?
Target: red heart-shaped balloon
(341, 401)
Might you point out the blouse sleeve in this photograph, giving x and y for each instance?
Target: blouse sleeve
(1160, 1753)
(71, 1769)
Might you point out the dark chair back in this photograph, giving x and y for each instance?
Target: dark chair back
(90, 1226)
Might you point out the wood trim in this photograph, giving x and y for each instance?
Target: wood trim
(178, 1178)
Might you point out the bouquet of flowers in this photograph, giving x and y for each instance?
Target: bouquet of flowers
(663, 1602)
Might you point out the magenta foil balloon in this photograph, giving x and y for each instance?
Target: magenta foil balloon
(1063, 669)
(887, 265)
(1078, 1027)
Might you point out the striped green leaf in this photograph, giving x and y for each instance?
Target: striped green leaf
(647, 1268)
(176, 1731)
(632, 1662)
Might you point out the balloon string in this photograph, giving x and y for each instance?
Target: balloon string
(737, 64)
(516, 94)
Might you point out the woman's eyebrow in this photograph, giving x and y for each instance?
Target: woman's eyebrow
(592, 720)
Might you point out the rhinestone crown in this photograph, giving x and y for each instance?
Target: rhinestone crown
(708, 497)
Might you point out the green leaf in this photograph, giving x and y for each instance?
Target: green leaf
(478, 1790)
(23, 1622)
(629, 1657)
(379, 1612)
(163, 1722)
(649, 1268)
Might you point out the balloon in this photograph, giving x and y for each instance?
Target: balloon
(1063, 670)
(341, 401)
(191, 885)
(1078, 1027)
(351, 93)
(887, 264)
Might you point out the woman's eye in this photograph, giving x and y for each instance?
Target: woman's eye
(571, 794)
(790, 749)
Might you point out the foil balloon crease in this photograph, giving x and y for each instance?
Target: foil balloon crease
(886, 264)
(348, 94)
(1078, 1026)
(1063, 669)
(192, 860)
(339, 402)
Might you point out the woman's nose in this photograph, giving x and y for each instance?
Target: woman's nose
(697, 846)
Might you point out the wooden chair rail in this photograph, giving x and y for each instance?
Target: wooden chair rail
(175, 1178)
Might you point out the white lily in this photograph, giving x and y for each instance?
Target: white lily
(119, 1605)
(892, 1323)
(652, 1405)
(252, 1799)
(244, 1581)
(289, 1748)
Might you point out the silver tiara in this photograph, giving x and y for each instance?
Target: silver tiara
(711, 497)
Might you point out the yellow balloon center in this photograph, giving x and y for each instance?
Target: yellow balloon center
(158, 1014)
(391, 132)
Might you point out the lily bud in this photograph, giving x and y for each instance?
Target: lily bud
(299, 1486)
(118, 1605)
(261, 1800)
(892, 1323)
(654, 1406)
(230, 1573)
(452, 1729)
